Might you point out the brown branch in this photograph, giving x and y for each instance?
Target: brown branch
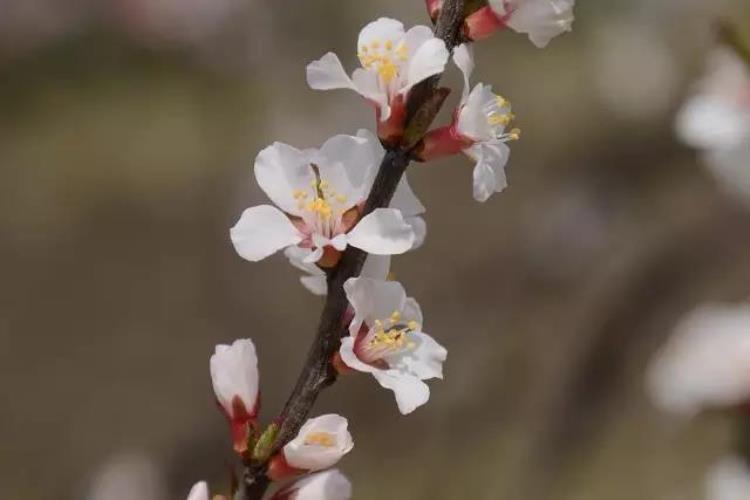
(317, 372)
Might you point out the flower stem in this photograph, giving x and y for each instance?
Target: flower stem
(318, 371)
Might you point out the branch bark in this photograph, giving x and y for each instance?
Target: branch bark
(318, 372)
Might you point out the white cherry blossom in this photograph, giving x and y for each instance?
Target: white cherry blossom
(541, 20)
(326, 485)
(393, 61)
(729, 479)
(479, 130)
(386, 340)
(320, 443)
(199, 491)
(319, 196)
(706, 362)
(234, 375)
(716, 120)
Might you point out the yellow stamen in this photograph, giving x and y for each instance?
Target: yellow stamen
(324, 439)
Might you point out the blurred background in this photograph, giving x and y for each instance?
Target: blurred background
(127, 135)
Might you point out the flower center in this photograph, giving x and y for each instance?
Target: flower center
(322, 206)
(384, 57)
(389, 336)
(499, 116)
(324, 439)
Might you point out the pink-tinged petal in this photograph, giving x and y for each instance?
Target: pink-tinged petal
(327, 73)
(234, 376)
(263, 231)
(410, 392)
(463, 58)
(489, 171)
(282, 171)
(382, 232)
(199, 492)
(350, 359)
(429, 60)
(367, 84)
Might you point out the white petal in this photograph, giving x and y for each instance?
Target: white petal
(472, 118)
(262, 231)
(367, 84)
(410, 392)
(489, 172)
(426, 360)
(327, 73)
(316, 254)
(317, 285)
(429, 60)
(303, 454)
(297, 256)
(380, 31)
(281, 170)
(708, 121)
(374, 299)
(419, 226)
(234, 373)
(349, 164)
(382, 232)
(405, 200)
(542, 20)
(729, 479)
(376, 267)
(199, 491)
(463, 58)
(326, 485)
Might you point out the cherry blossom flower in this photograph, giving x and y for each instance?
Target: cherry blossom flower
(478, 130)
(319, 444)
(541, 20)
(393, 61)
(326, 485)
(729, 479)
(319, 195)
(199, 491)
(234, 374)
(386, 340)
(716, 120)
(706, 363)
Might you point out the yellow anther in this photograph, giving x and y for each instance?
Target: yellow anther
(496, 119)
(395, 317)
(388, 44)
(375, 44)
(501, 101)
(378, 324)
(401, 51)
(324, 439)
(515, 134)
(299, 194)
(413, 325)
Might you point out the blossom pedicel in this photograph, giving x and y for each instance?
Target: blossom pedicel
(393, 61)
(234, 374)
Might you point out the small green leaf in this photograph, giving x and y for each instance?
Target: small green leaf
(265, 442)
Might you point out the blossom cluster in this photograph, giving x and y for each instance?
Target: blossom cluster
(318, 209)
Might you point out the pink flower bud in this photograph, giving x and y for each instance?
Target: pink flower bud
(234, 374)
(433, 8)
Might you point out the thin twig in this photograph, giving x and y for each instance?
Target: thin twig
(317, 372)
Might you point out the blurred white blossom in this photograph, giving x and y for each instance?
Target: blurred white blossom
(716, 120)
(319, 444)
(729, 479)
(127, 476)
(327, 485)
(706, 362)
